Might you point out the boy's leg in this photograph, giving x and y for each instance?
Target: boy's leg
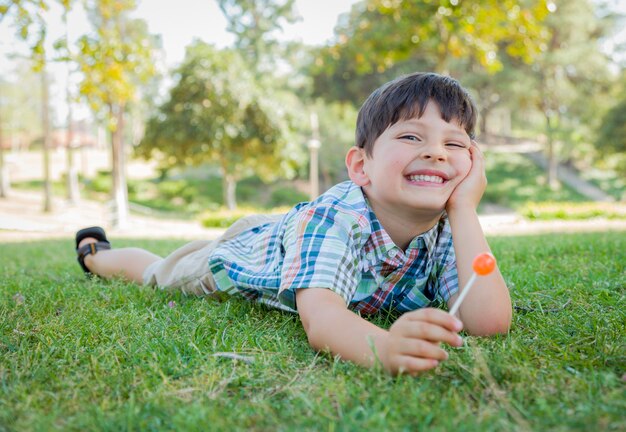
(127, 263)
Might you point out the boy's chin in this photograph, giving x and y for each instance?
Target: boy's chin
(429, 210)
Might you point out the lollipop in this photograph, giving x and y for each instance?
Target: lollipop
(483, 265)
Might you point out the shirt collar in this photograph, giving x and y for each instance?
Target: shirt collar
(382, 246)
(429, 238)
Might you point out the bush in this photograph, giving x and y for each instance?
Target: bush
(102, 182)
(224, 218)
(176, 190)
(573, 210)
(287, 196)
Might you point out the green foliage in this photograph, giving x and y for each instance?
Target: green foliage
(337, 123)
(612, 137)
(224, 218)
(20, 111)
(80, 354)
(286, 196)
(31, 27)
(187, 196)
(101, 183)
(611, 141)
(573, 210)
(116, 59)
(381, 36)
(255, 24)
(608, 178)
(515, 180)
(216, 113)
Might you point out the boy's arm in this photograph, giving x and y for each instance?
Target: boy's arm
(410, 346)
(487, 308)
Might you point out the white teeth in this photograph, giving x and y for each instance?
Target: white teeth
(426, 178)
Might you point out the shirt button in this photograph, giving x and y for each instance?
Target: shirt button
(393, 253)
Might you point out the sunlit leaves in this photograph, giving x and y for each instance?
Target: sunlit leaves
(217, 113)
(381, 35)
(255, 24)
(117, 59)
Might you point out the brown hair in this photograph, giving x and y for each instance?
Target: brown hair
(406, 97)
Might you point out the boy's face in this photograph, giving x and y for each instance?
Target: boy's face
(416, 164)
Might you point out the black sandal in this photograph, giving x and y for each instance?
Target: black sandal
(91, 248)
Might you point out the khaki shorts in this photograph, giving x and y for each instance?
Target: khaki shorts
(187, 268)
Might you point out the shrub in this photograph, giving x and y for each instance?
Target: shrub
(102, 182)
(573, 210)
(287, 196)
(224, 218)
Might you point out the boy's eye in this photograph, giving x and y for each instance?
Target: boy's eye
(411, 138)
(455, 145)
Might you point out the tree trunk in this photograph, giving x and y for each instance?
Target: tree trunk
(45, 121)
(4, 173)
(484, 134)
(229, 187)
(120, 191)
(553, 181)
(72, 174)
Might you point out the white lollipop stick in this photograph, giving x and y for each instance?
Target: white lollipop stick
(483, 264)
(468, 285)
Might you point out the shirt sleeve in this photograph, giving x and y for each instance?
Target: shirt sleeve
(444, 272)
(320, 252)
(448, 281)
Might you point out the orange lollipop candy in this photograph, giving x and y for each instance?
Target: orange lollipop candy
(483, 264)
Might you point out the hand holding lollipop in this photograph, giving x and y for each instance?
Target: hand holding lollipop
(483, 265)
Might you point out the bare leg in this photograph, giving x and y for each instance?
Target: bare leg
(127, 263)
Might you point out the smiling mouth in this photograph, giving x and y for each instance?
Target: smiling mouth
(422, 178)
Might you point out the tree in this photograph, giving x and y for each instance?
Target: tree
(381, 36)
(114, 63)
(20, 115)
(570, 74)
(254, 24)
(4, 174)
(611, 137)
(31, 27)
(64, 54)
(217, 114)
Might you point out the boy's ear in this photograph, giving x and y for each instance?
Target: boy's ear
(355, 162)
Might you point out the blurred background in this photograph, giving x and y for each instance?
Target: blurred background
(211, 109)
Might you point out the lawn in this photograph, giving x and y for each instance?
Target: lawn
(77, 354)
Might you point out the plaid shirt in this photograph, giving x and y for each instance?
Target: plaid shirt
(337, 242)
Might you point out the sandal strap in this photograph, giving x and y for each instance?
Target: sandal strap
(94, 231)
(90, 248)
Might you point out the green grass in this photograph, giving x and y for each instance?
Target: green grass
(79, 354)
(515, 180)
(573, 210)
(185, 198)
(607, 179)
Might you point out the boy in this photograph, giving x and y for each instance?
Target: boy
(401, 234)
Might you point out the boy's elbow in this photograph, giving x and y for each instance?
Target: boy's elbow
(311, 331)
(495, 324)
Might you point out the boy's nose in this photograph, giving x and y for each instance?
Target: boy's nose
(435, 152)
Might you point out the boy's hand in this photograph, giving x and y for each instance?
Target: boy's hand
(471, 189)
(412, 344)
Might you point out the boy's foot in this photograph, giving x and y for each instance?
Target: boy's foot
(87, 240)
(90, 241)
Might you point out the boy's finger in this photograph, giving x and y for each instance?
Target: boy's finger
(432, 332)
(475, 151)
(413, 365)
(437, 317)
(422, 349)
